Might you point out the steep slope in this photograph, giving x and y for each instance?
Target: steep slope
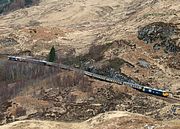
(109, 120)
(85, 22)
(103, 33)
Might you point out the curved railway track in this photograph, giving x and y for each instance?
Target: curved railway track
(132, 84)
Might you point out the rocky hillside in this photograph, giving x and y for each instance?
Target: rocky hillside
(139, 39)
(75, 26)
(109, 120)
(78, 24)
(11, 5)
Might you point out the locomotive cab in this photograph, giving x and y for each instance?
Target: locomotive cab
(165, 94)
(155, 91)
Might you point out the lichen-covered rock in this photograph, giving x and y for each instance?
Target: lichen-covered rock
(8, 42)
(11, 5)
(143, 63)
(162, 33)
(156, 30)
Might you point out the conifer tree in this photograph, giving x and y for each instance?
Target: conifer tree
(52, 55)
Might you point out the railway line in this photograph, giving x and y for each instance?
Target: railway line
(160, 94)
(167, 99)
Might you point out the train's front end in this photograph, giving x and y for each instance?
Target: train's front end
(155, 91)
(165, 94)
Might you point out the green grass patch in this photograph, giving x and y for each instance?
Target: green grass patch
(116, 63)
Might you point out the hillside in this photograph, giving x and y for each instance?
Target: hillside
(109, 120)
(74, 26)
(139, 39)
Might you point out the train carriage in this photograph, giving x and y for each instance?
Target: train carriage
(13, 58)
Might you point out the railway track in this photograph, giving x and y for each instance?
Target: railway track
(167, 99)
(131, 84)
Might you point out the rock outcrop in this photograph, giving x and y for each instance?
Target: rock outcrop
(161, 34)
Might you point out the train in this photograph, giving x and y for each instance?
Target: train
(136, 86)
(155, 91)
(14, 58)
(130, 83)
(29, 59)
(148, 90)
